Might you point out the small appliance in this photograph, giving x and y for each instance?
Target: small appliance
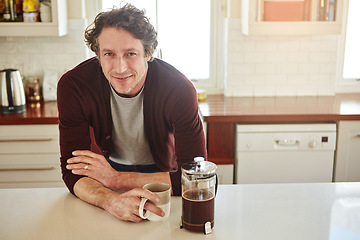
(12, 92)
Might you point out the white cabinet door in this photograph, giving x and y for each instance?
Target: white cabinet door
(347, 165)
(29, 156)
(225, 173)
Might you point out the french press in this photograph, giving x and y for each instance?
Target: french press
(198, 183)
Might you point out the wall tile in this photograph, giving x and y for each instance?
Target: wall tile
(33, 55)
(279, 65)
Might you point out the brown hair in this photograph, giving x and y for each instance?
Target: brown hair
(128, 18)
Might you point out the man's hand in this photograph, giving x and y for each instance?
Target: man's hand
(93, 165)
(124, 206)
(101, 178)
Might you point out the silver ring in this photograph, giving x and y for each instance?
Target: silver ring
(86, 167)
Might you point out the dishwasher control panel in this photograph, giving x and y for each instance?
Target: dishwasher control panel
(286, 137)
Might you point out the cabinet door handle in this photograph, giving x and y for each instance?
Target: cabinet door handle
(27, 140)
(26, 168)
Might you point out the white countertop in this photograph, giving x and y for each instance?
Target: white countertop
(260, 211)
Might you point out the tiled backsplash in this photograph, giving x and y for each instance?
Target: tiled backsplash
(279, 65)
(256, 65)
(33, 55)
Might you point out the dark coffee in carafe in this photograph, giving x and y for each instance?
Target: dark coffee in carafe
(198, 187)
(197, 209)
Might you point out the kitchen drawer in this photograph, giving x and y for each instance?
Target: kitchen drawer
(17, 161)
(31, 146)
(30, 173)
(29, 156)
(37, 170)
(28, 131)
(29, 139)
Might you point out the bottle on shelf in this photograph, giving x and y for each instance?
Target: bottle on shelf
(6, 14)
(18, 10)
(31, 11)
(1, 11)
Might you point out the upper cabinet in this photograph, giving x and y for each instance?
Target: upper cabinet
(300, 17)
(57, 26)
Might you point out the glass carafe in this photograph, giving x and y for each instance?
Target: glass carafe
(198, 184)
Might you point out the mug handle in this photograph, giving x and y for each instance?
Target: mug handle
(141, 209)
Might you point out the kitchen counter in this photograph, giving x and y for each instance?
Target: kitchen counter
(221, 114)
(260, 211)
(218, 108)
(36, 113)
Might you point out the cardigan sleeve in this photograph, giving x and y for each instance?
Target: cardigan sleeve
(171, 120)
(73, 128)
(188, 131)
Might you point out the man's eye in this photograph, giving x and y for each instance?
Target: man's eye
(132, 54)
(108, 54)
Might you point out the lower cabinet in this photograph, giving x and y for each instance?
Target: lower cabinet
(225, 173)
(347, 164)
(29, 156)
(220, 145)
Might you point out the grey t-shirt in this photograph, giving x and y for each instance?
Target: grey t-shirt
(130, 143)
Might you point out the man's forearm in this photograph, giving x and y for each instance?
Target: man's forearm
(124, 206)
(129, 180)
(96, 167)
(93, 192)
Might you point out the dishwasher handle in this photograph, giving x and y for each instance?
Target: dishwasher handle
(287, 142)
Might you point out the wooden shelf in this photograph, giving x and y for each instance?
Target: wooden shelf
(58, 26)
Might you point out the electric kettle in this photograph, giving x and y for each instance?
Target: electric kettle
(12, 92)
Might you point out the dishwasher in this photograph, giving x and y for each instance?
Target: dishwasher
(284, 153)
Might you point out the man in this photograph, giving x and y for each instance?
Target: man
(142, 111)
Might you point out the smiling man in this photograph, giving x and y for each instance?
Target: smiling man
(123, 60)
(143, 113)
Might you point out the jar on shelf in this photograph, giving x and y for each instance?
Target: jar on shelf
(33, 90)
(31, 11)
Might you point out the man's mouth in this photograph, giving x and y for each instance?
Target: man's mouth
(123, 78)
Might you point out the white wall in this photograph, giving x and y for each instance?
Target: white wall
(279, 65)
(33, 55)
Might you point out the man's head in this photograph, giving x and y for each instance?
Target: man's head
(124, 41)
(128, 18)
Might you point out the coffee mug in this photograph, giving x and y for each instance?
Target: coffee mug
(163, 191)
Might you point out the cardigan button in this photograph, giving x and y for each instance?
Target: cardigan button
(107, 137)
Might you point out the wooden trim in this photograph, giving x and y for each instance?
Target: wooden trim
(280, 118)
(221, 160)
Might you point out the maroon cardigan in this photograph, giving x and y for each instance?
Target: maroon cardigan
(171, 120)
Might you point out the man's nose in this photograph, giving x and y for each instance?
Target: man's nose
(121, 65)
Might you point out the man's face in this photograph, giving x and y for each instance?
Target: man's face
(123, 60)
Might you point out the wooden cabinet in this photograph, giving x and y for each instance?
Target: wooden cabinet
(288, 17)
(220, 145)
(58, 26)
(29, 156)
(347, 165)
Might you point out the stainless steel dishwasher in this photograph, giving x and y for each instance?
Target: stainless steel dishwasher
(285, 153)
